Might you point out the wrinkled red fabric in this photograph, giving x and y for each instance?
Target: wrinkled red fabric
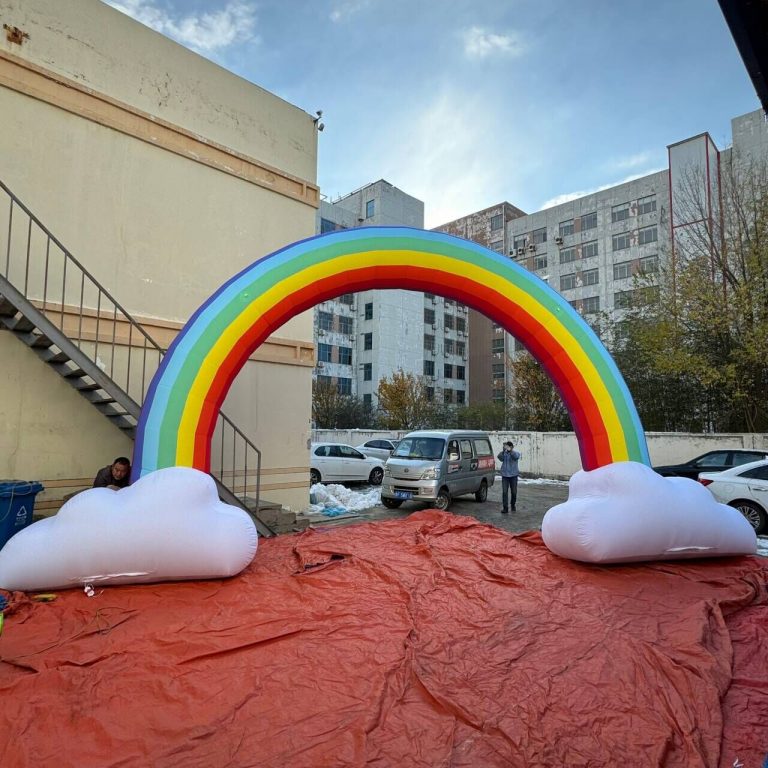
(429, 641)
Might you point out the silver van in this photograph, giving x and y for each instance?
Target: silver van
(434, 466)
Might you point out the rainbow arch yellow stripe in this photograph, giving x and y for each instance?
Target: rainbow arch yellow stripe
(178, 416)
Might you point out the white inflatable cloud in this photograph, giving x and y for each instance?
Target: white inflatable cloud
(169, 525)
(626, 512)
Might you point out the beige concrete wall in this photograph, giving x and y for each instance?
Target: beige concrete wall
(164, 175)
(556, 454)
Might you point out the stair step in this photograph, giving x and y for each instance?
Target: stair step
(84, 386)
(73, 373)
(97, 400)
(49, 356)
(6, 308)
(22, 325)
(35, 340)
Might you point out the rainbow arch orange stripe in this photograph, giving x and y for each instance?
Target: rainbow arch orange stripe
(178, 416)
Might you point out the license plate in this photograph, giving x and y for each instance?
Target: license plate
(403, 494)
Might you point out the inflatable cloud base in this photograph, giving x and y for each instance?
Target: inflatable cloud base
(168, 526)
(625, 512)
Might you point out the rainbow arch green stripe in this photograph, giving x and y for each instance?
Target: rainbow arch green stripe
(178, 416)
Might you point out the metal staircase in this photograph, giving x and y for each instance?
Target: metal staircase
(51, 303)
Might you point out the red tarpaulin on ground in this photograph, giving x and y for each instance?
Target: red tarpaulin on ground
(428, 641)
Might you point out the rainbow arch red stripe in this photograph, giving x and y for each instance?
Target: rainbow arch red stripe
(179, 414)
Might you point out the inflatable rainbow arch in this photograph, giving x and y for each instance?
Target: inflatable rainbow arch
(179, 413)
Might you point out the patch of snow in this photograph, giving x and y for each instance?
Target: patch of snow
(333, 500)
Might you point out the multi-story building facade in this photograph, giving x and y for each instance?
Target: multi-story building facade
(364, 337)
(592, 248)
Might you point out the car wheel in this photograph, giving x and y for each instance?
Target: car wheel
(482, 492)
(443, 500)
(314, 477)
(376, 476)
(756, 516)
(391, 503)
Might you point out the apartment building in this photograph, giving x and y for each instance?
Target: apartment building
(364, 337)
(591, 248)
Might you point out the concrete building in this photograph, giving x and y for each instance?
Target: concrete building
(591, 248)
(163, 175)
(489, 228)
(364, 337)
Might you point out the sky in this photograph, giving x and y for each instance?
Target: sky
(466, 103)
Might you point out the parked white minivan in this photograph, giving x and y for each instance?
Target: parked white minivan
(435, 466)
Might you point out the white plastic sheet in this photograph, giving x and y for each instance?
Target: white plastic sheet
(169, 525)
(626, 512)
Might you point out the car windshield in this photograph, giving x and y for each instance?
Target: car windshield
(430, 448)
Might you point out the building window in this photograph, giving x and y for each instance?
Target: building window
(647, 235)
(461, 348)
(567, 255)
(620, 212)
(621, 241)
(540, 262)
(430, 296)
(345, 386)
(567, 282)
(367, 341)
(622, 299)
(498, 370)
(325, 321)
(591, 304)
(497, 345)
(324, 381)
(448, 320)
(540, 235)
(449, 346)
(347, 298)
(497, 222)
(649, 265)
(622, 270)
(430, 394)
(519, 346)
(520, 241)
(429, 316)
(326, 225)
(367, 401)
(646, 204)
(590, 277)
(497, 245)
(345, 355)
(460, 371)
(369, 209)
(429, 342)
(345, 324)
(461, 324)
(589, 249)
(367, 371)
(429, 367)
(448, 396)
(460, 396)
(369, 311)
(448, 370)
(565, 228)
(324, 353)
(589, 221)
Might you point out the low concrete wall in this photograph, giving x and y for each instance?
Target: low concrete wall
(556, 454)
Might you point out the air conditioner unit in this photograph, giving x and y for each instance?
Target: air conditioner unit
(532, 248)
(464, 356)
(321, 332)
(434, 325)
(558, 240)
(320, 365)
(521, 251)
(461, 333)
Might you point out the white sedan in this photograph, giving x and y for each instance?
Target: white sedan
(333, 462)
(744, 487)
(378, 448)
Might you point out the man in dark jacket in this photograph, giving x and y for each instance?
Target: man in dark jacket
(117, 475)
(509, 475)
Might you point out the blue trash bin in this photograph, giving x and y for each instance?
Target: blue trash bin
(17, 503)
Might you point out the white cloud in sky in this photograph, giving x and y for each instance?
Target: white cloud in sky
(203, 32)
(630, 162)
(568, 196)
(343, 9)
(479, 43)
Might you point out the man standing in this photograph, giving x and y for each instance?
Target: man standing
(115, 476)
(509, 475)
